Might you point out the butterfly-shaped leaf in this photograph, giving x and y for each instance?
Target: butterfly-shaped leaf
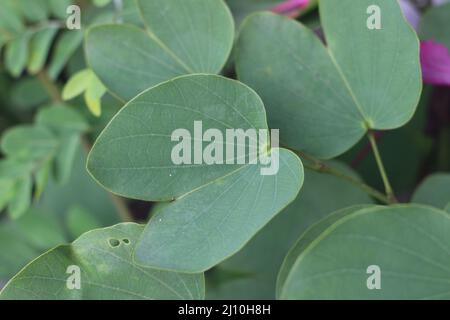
(325, 98)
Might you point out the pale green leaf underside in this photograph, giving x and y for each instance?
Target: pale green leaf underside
(180, 38)
(434, 191)
(408, 242)
(260, 260)
(203, 228)
(132, 157)
(107, 272)
(324, 99)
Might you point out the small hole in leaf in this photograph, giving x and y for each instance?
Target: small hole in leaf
(114, 242)
(126, 241)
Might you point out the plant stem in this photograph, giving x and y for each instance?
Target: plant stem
(321, 167)
(50, 86)
(376, 152)
(55, 94)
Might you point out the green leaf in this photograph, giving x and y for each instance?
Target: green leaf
(77, 84)
(101, 3)
(409, 243)
(132, 157)
(259, 261)
(35, 10)
(60, 198)
(39, 47)
(323, 100)
(62, 119)
(434, 190)
(41, 177)
(180, 38)
(16, 54)
(6, 193)
(106, 272)
(93, 96)
(79, 221)
(21, 200)
(10, 18)
(40, 230)
(66, 156)
(434, 25)
(28, 93)
(64, 49)
(28, 142)
(58, 7)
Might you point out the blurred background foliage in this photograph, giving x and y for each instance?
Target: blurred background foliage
(52, 108)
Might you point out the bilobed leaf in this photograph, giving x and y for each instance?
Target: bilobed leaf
(259, 261)
(106, 272)
(16, 54)
(434, 25)
(434, 190)
(39, 47)
(322, 99)
(409, 243)
(180, 38)
(132, 157)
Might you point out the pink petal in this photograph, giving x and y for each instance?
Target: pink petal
(435, 60)
(290, 6)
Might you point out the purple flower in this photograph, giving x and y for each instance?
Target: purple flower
(434, 57)
(290, 8)
(435, 60)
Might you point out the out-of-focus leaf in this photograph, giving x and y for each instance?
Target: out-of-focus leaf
(435, 25)
(10, 18)
(434, 190)
(28, 142)
(93, 96)
(65, 47)
(40, 229)
(35, 10)
(28, 93)
(65, 157)
(21, 200)
(79, 221)
(62, 119)
(16, 54)
(77, 84)
(39, 48)
(41, 177)
(59, 198)
(58, 7)
(101, 3)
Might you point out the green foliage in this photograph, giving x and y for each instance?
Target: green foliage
(88, 120)
(408, 242)
(333, 94)
(104, 255)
